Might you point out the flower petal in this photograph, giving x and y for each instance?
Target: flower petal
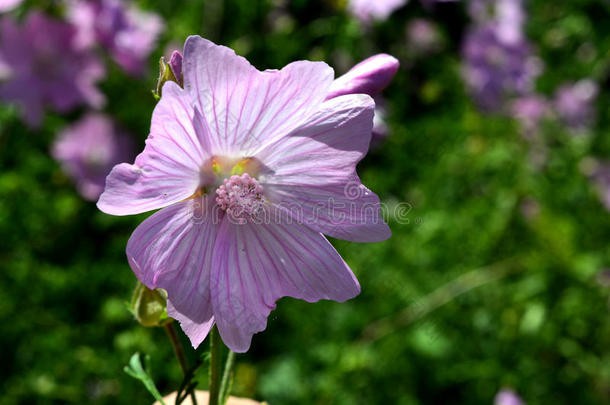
(245, 107)
(313, 172)
(168, 170)
(325, 149)
(349, 212)
(196, 328)
(172, 249)
(256, 264)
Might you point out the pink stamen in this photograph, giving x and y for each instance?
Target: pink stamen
(240, 196)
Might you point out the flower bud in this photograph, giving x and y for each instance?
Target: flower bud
(370, 77)
(175, 64)
(149, 307)
(171, 71)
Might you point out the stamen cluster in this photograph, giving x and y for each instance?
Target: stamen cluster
(240, 196)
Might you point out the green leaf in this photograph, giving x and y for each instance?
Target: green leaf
(136, 370)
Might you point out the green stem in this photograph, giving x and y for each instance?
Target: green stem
(225, 385)
(178, 349)
(173, 337)
(216, 346)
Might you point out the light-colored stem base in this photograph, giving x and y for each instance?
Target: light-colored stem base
(203, 397)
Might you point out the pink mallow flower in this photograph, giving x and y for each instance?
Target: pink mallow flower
(8, 5)
(89, 149)
(129, 34)
(575, 103)
(40, 66)
(249, 169)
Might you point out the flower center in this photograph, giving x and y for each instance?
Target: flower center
(240, 196)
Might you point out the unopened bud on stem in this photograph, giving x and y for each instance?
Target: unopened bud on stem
(169, 71)
(149, 307)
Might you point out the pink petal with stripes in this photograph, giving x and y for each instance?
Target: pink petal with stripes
(172, 249)
(256, 264)
(244, 107)
(326, 148)
(349, 212)
(168, 170)
(313, 172)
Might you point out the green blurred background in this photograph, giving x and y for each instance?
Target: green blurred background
(492, 282)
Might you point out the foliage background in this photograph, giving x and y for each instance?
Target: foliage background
(470, 296)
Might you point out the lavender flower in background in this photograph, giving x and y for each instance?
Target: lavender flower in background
(574, 103)
(128, 34)
(8, 5)
(495, 69)
(508, 16)
(530, 111)
(507, 396)
(498, 62)
(89, 149)
(368, 11)
(249, 168)
(41, 66)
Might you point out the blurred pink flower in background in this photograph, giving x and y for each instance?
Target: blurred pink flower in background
(89, 149)
(228, 160)
(369, 11)
(574, 103)
(507, 396)
(128, 34)
(423, 36)
(374, 10)
(530, 111)
(40, 66)
(8, 5)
